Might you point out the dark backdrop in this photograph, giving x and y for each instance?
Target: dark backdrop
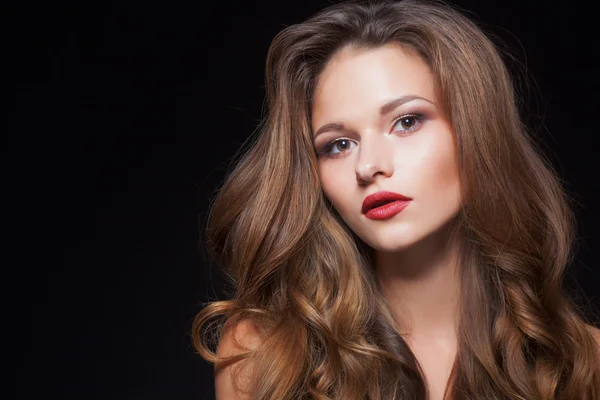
(126, 114)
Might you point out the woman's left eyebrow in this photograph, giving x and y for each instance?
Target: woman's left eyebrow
(385, 109)
(393, 104)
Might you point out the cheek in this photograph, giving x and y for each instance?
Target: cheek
(336, 186)
(439, 170)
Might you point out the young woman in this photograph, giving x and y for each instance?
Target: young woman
(394, 232)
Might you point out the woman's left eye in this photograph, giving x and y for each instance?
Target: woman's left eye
(408, 122)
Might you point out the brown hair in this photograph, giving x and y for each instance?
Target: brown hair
(306, 281)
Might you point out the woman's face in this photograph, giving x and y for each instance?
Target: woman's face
(405, 148)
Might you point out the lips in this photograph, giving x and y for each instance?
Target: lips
(381, 198)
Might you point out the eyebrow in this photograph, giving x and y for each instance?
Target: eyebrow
(385, 109)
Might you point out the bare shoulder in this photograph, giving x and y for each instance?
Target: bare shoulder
(231, 379)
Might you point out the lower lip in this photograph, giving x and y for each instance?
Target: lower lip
(388, 210)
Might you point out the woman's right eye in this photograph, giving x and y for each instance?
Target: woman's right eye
(341, 145)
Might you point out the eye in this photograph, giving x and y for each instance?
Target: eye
(337, 147)
(341, 145)
(408, 122)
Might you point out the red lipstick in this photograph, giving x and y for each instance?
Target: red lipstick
(382, 205)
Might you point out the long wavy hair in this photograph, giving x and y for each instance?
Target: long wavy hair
(308, 283)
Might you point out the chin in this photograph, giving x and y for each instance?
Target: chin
(390, 240)
(390, 246)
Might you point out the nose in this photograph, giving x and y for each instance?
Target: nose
(374, 159)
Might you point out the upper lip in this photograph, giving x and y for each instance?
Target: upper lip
(380, 197)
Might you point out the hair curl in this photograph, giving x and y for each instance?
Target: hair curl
(306, 281)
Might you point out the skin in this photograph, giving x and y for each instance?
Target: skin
(415, 259)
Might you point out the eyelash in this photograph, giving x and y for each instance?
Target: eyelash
(416, 116)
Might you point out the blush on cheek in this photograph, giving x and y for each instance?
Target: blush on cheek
(333, 184)
(440, 159)
(445, 182)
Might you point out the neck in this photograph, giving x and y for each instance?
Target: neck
(421, 286)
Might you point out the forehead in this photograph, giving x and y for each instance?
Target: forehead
(359, 81)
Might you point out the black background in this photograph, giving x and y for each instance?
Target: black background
(126, 114)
